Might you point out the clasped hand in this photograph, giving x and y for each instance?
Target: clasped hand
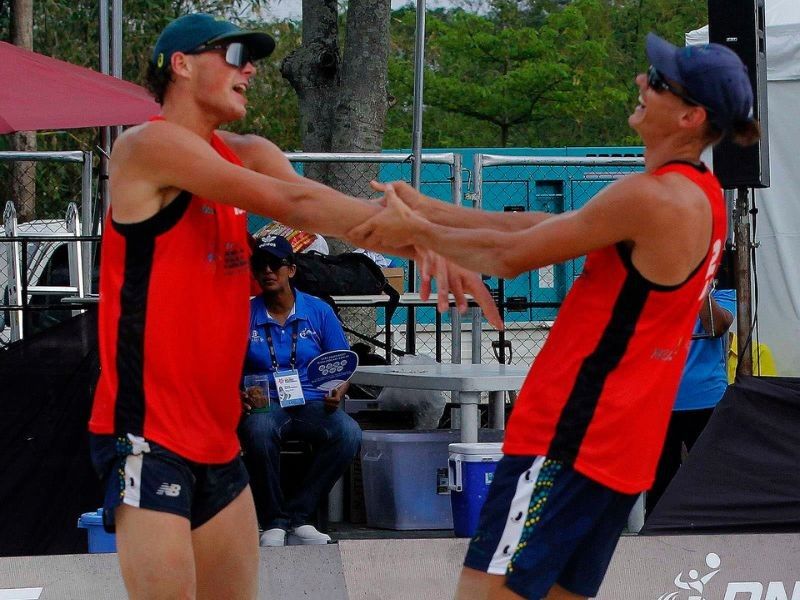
(401, 225)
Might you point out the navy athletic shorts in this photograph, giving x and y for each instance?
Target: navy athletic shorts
(141, 473)
(543, 523)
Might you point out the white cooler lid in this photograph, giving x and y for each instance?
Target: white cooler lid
(476, 448)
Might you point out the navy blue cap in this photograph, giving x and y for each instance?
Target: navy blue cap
(189, 32)
(274, 246)
(711, 74)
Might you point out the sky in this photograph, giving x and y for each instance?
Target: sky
(291, 9)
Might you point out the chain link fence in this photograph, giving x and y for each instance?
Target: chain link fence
(50, 181)
(441, 177)
(46, 247)
(529, 303)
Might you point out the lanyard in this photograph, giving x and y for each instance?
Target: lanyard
(273, 356)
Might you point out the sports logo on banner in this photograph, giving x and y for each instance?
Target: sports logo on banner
(694, 583)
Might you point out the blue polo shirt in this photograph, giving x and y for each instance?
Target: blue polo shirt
(318, 331)
(705, 377)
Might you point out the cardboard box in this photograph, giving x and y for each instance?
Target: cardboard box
(396, 277)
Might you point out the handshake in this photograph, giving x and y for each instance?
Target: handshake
(408, 226)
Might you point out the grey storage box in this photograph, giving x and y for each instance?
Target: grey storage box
(405, 477)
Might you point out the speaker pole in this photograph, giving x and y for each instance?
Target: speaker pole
(741, 220)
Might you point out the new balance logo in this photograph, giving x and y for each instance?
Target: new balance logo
(173, 490)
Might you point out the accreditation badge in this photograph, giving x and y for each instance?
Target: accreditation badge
(290, 390)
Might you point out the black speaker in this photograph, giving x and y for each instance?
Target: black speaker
(740, 25)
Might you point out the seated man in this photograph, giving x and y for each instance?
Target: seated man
(287, 330)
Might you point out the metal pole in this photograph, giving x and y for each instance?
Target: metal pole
(477, 325)
(477, 181)
(501, 304)
(477, 320)
(105, 132)
(86, 220)
(455, 316)
(455, 336)
(457, 186)
(23, 290)
(116, 51)
(743, 298)
(416, 151)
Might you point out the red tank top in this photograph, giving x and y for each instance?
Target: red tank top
(600, 392)
(173, 322)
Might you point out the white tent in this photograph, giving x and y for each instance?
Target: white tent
(778, 220)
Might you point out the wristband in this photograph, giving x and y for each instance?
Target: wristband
(262, 409)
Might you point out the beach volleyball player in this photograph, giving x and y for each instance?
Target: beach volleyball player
(586, 432)
(173, 317)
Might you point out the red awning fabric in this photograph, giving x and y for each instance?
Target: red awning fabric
(42, 93)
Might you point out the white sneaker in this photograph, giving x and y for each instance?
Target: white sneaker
(273, 537)
(307, 534)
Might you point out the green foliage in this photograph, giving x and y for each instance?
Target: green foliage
(522, 73)
(530, 72)
(68, 30)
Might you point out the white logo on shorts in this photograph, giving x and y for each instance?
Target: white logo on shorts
(173, 490)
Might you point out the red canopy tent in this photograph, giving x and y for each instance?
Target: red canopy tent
(40, 93)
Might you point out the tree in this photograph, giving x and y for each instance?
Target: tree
(23, 173)
(484, 68)
(343, 99)
(68, 30)
(510, 73)
(342, 96)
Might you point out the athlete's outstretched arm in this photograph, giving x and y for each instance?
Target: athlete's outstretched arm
(462, 217)
(159, 156)
(619, 213)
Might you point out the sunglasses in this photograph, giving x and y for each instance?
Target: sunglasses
(657, 82)
(272, 263)
(236, 53)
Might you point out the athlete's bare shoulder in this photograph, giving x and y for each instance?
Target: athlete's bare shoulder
(671, 224)
(259, 154)
(653, 197)
(139, 168)
(144, 144)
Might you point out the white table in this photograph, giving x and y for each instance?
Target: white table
(469, 380)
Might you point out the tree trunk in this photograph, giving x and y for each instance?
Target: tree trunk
(360, 112)
(504, 135)
(313, 70)
(343, 102)
(23, 173)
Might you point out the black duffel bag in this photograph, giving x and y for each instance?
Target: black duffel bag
(345, 274)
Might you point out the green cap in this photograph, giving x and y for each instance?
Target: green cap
(189, 32)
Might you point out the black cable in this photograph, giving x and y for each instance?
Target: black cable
(754, 270)
(374, 341)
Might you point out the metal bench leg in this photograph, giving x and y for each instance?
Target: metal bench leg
(469, 416)
(497, 410)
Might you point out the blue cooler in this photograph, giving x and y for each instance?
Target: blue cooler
(99, 540)
(470, 470)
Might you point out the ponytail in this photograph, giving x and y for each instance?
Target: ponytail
(741, 133)
(745, 133)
